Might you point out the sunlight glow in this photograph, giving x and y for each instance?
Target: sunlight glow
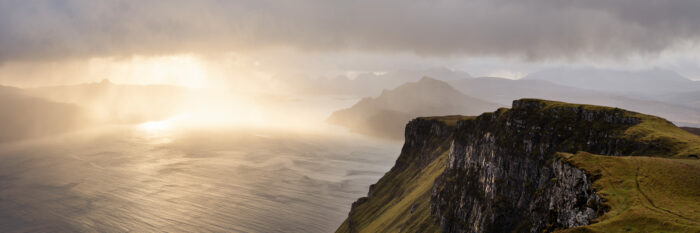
(181, 70)
(154, 125)
(157, 132)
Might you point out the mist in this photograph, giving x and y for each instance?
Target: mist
(269, 116)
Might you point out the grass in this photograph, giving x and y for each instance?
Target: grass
(395, 195)
(449, 120)
(683, 144)
(558, 104)
(643, 194)
(672, 140)
(656, 191)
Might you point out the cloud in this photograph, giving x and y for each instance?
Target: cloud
(529, 29)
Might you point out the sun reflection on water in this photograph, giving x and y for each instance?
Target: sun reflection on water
(153, 126)
(157, 132)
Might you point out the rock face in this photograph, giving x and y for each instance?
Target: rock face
(423, 138)
(503, 171)
(503, 175)
(484, 191)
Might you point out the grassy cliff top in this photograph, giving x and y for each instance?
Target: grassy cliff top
(546, 104)
(449, 120)
(649, 129)
(643, 194)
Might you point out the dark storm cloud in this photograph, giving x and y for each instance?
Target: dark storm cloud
(532, 29)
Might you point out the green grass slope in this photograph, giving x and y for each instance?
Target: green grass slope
(667, 139)
(643, 194)
(403, 205)
(399, 201)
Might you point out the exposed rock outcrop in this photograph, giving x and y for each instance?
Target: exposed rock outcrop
(506, 171)
(502, 174)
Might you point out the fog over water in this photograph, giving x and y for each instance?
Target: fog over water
(147, 179)
(219, 116)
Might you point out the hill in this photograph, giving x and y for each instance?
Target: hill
(118, 103)
(540, 166)
(643, 83)
(372, 83)
(387, 114)
(23, 116)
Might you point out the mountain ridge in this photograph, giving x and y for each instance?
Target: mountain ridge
(635, 82)
(386, 114)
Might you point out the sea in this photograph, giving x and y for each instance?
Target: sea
(133, 179)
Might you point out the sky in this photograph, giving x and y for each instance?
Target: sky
(210, 42)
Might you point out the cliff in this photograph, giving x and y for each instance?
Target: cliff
(539, 166)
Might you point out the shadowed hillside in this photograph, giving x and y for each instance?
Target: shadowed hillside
(115, 103)
(23, 117)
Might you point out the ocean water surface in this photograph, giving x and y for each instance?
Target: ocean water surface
(122, 179)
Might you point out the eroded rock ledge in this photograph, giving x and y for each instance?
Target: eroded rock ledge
(502, 170)
(503, 175)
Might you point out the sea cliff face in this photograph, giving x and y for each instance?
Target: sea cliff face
(400, 199)
(503, 171)
(502, 174)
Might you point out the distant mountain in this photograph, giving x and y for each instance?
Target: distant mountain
(372, 83)
(503, 91)
(645, 82)
(387, 114)
(7, 90)
(23, 116)
(687, 98)
(118, 103)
